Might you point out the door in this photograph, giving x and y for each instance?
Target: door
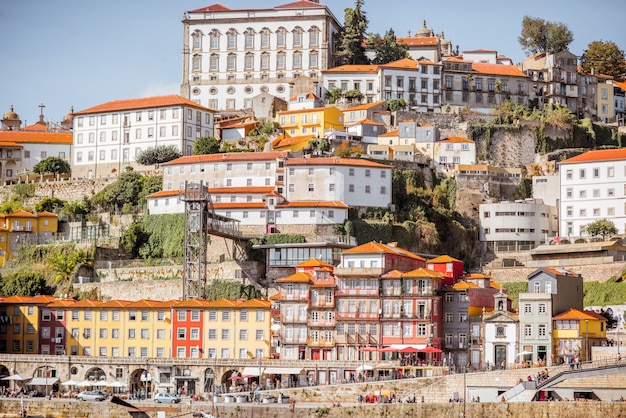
(500, 356)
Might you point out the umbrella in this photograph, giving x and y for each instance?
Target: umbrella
(408, 350)
(431, 349)
(84, 383)
(235, 377)
(118, 384)
(369, 349)
(70, 383)
(100, 383)
(388, 350)
(16, 377)
(525, 353)
(364, 367)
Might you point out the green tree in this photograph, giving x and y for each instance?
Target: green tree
(349, 46)
(50, 204)
(206, 145)
(133, 238)
(346, 151)
(13, 204)
(24, 283)
(127, 189)
(54, 165)
(64, 263)
(602, 227)
(77, 208)
(149, 185)
(334, 95)
(387, 49)
(158, 155)
(539, 35)
(393, 105)
(354, 95)
(604, 58)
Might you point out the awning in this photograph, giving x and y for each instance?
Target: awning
(186, 377)
(250, 371)
(282, 370)
(43, 381)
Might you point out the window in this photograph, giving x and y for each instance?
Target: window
(528, 309)
(194, 334)
(224, 353)
(541, 331)
(226, 316)
(144, 334)
(528, 330)
(243, 334)
(226, 334)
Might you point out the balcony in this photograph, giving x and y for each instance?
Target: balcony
(356, 292)
(320, 343)
(300, 297)
(357, 315)
(359, 271)
(20, 228)
(322, 303)
(294, 340)
(292, 320)
(321, 323)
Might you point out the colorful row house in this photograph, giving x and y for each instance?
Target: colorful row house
(21, 227)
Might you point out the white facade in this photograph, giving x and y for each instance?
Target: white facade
(547, 189)
(354, 182)
(501, 334)
(108, 137)
(519, 225)
(593, 187)
(232, 55)
(451, 152)
(418, 83)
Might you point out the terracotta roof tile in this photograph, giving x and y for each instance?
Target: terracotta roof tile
(364, 106)
(21, 137)
(228, 157)
(498, 69)
(330, 161)
(597, 155)
(422, 272)
(314, 262)
(457, 139)
(369, 69)
(419, 41)
(377, 248)
(141, 103)
(443, 259)
(299, 277)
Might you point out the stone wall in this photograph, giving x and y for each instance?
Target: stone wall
(589, 272)
(75, 409)
(136, 283)
(68, 190)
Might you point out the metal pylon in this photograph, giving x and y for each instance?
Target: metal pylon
(197, 205)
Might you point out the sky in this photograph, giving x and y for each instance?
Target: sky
(77, 53)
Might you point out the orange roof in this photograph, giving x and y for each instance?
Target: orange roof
(391, 133)
(419, 41)
(457, 139)
(422, 272)
(370, 69)
(115, 304)
(285, 142)
(227, 157)
(313, 204)
(310, 110)
(309, 95)
(299, 277)
(498, 69)
(364, 106)
(377, 248)
(402, 63)
(366, 122)
(45, 213)
(314, 262)
(9, 144)
(443, 259)
(21, 214)
(87, 303)
(620, 84)
(476, 276)
(334, 161)
(165, 193)
(577, 314)
(560, 271)
(597, 155)
(393, 274)
(61, 303)
(142, 103)
(21, 137)
(41, 299)
(463, 285)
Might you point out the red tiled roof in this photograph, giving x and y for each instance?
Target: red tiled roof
(402, 63)
(364, 68)
(22, 137)
(393, 274)
(300, 4)
(364, 106)
(391, 133)
(577, 314)
(21, 214)
(443, 259)
(377, 248)
(314, 262)
(597, 155)
(419, 41)
(299, 277)
(330, 161)
(165, 193)
(285, 142)
(227, 157)
(141, 103)
(498, 69)
(422, 272)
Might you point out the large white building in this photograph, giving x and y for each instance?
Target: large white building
(232, 55)
(418, 83)
(593, 187)
(108, 137)
(274, 191)
(516, 226)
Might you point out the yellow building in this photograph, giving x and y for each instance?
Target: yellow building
(19, 323)
(315, 121)
(17, 226)
(575, 332)
(604, 99)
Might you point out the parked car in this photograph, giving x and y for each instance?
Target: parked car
(91, 395)
(165, 397)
